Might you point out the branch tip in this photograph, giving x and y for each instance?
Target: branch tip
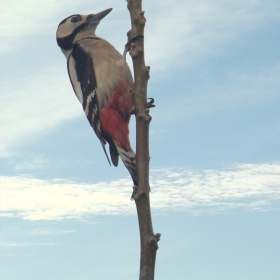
(158, 235)
(147, 72)
(140, 19)
(145, 115)
(154, 240)
(129, 32)
(134, 50)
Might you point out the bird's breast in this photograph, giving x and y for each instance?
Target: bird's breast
(113, 76)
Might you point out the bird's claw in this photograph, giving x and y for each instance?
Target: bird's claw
(127, 46)
(137, 193)
(149, 104)
(132, 40)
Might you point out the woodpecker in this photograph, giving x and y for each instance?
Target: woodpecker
(101, 80)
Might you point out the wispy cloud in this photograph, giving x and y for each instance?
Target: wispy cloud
(27, 18)
(39, 99)
(241, 90)
(35, 106)
(180, 33)
(30, 18)
(173, 27)
(254, 187)
(51, 231)
(26, 244)
(30, 164)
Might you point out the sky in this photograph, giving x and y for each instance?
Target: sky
(214, 146)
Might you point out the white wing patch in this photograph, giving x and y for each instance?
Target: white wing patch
(98, 126)
(95, 112)
(89, 99)
(74, 79)
(80, 93)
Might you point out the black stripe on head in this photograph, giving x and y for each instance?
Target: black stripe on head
(66, 43)
(63, 21)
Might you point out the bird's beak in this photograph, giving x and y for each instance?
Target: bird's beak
(99, 16)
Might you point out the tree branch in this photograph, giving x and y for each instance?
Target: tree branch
(141, 192)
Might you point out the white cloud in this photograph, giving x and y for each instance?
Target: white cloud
(254, 187)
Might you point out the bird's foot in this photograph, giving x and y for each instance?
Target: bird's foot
(137, 192)
(127, 46)
(149, 105)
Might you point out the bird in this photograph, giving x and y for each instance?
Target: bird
(102, 82)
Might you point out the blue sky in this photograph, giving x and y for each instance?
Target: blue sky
(214, 145)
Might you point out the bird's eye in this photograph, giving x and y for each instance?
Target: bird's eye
(75, 19)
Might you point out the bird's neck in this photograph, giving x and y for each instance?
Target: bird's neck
(83, 35)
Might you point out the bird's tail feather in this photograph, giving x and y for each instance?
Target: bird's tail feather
(103, 146)
(129, 160)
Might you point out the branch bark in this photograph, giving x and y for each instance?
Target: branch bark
(149, 240)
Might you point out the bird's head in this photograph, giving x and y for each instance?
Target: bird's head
(77, 27)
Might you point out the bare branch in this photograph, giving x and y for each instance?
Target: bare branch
(141, 192)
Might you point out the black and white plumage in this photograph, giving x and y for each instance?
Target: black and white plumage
(101, 80)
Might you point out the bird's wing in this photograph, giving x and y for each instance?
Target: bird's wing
(82, 76)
